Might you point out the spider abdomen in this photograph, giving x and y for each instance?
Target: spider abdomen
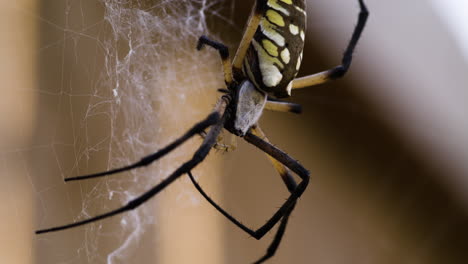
(275, 54)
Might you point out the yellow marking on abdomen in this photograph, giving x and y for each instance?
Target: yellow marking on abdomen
(271, 75)
(269, 30)
(275, 17)
(289, 2)
(270, 47)
(274, 4)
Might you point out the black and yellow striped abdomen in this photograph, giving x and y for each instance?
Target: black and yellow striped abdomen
(275, 54)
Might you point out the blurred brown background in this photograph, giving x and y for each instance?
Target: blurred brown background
(386, 145)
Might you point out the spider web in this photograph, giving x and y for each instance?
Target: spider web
(117, 80)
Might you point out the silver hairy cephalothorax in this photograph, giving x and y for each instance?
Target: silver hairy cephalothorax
(250, 104)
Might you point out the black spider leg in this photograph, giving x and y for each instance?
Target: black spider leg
(348, 54)
(272, 248)
(145, 161)
(296, 190)
(340, 70)
(279, 233)
(290, 183)
(278, 236)
(287, 206)
(198, 157)
(223, 53)
(220, 47)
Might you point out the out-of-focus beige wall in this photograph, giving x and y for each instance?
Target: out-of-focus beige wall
(18, 39)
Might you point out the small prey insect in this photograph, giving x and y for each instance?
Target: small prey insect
(265, 66)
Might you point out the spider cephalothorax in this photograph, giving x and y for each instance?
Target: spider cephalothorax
(245, 108)
(266, 63)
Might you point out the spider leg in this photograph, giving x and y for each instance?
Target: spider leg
(291, 164)
(283, 107)
(145, 161)
(286, 208)
(291, 184)
(223, 52)
(278, 236)
(283, 171)
(252, 25)
(198, 157)
(338, 71)
(277, 239)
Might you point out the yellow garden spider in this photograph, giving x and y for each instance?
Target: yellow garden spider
(265, 65)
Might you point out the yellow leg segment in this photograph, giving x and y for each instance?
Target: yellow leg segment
(223, 52)
(340, 70)
(283, 107)
(227, 71)
(252, 25)
(312, 80)
(284, 172)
